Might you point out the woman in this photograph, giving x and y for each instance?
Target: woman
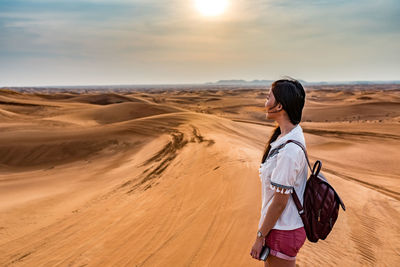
(280, 226)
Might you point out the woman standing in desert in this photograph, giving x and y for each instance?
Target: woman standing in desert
(280, 226)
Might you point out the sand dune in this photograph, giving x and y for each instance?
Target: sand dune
(171, 178)
(114, 113)
(103, 99)
(8, 116)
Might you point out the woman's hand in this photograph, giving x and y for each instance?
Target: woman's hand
(256, 249)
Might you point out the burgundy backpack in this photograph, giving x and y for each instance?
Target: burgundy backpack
(321, 202)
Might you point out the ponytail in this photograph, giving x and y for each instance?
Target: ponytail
(274, 136)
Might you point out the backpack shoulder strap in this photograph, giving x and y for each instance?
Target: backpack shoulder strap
(302, 147)
(276, 150)
(294, 194)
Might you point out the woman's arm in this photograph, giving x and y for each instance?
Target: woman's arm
(275, 210)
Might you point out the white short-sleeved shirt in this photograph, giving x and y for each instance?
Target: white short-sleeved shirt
(282, 172)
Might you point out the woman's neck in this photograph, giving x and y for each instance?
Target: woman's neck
(286, 127)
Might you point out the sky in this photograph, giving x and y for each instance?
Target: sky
(99, 42)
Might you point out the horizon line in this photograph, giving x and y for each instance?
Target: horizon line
(225, 82)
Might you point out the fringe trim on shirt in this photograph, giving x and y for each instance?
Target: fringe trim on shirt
(281, 190)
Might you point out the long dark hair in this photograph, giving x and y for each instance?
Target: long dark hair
(291, 95)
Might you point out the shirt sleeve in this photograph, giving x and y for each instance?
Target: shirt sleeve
(290, 160)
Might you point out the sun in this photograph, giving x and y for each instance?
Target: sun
(211, 7)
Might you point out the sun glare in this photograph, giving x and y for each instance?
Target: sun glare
(211, 7)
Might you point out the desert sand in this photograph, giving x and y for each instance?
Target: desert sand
(170, 177)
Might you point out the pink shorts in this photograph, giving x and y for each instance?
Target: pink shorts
(285, 244)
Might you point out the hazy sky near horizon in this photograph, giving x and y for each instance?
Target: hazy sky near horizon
(95, 42)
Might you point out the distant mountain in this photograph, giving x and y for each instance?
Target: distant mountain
(241, 82)
(269, 82)
(219, 84)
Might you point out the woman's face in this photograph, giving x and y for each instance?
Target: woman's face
(269, 105)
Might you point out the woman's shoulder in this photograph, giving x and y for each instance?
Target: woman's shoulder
(292, 152)
(292, 147)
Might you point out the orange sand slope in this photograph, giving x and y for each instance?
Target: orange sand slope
(171, 178)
